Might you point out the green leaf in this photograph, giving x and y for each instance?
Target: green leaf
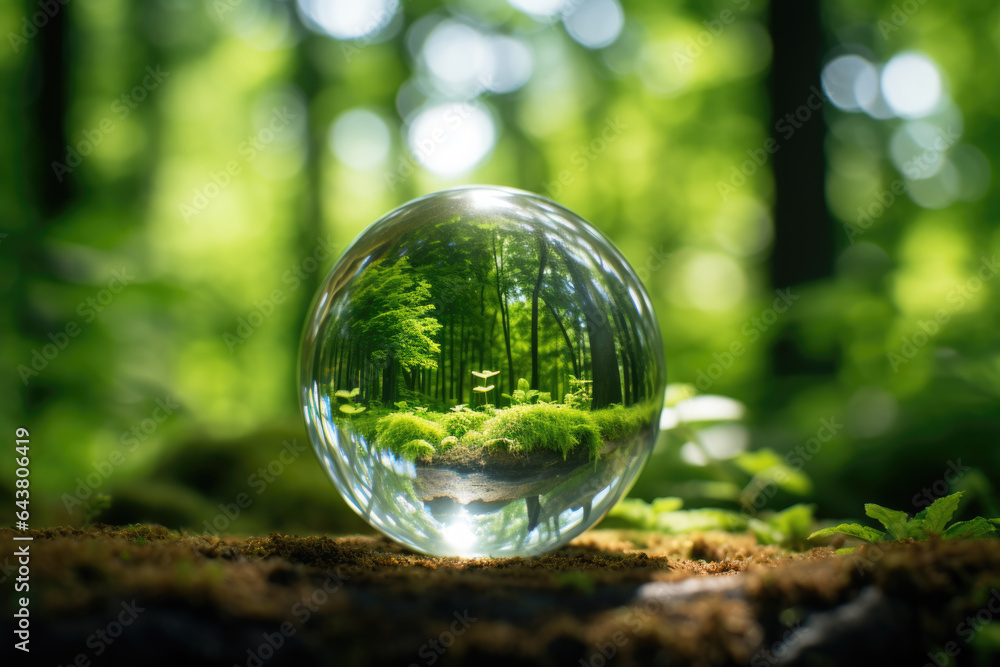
(631, 513)
(686, 521)
(790, 527)
(355, 392)
(973, 528)
(851, 530)
(523, 385)
(483, 389)
(937, 516)
(916, 528)
(846, 551)
(768, 467)
(893, 520)
(342, 393)
(668, 504)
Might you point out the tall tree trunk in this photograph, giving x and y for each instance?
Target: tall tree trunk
(631, 376)
(569, 343)
(462, 343)
(498, 263)
(804, 240)
(451, 355)
(607, 386)
(543, 255)
(349, 366)
(441, 369)
(389, 379)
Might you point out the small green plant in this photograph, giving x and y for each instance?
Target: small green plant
(580, 396)
(483, 389)
(524, 395)
(403, 406)
(787, 528)
(94, 507)
(349, 408)
(930, 522)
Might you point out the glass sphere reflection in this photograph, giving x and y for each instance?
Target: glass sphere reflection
(482, 374)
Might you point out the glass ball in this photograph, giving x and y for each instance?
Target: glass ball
(482, 374)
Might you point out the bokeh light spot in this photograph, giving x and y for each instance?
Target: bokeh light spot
(839, 79)
(359, 139)
(349, 19)
(450, 139)
(911, 85)
(595, 23)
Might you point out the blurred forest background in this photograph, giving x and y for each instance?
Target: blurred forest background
(804, 187)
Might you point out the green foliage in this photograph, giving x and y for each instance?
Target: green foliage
(977, 527)
(403, 406)
(617, 423)
(787, 528)
(543, 426)
(349, 408)
(581, 395)
(930, 522)
(868, 307)
(934, 518)
(406, 434)
(895, 522)
(767, 466)
(461, 422)
(392, 314)
(851, 530)
(417, 449)
(94, 507)
(524, 395)
(521, 428)
(482, 388)
(473, 439)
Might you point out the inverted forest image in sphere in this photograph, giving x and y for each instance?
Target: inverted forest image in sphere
(482, 374)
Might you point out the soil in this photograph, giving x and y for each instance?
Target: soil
(146, 595)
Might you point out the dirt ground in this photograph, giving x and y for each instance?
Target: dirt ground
(145, 595)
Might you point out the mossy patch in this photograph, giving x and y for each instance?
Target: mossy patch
(408, 436)
(526, 428)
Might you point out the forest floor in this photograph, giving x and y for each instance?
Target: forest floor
(147, 595)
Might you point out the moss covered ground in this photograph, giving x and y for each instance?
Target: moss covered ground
(519, 429)
(609, 598)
